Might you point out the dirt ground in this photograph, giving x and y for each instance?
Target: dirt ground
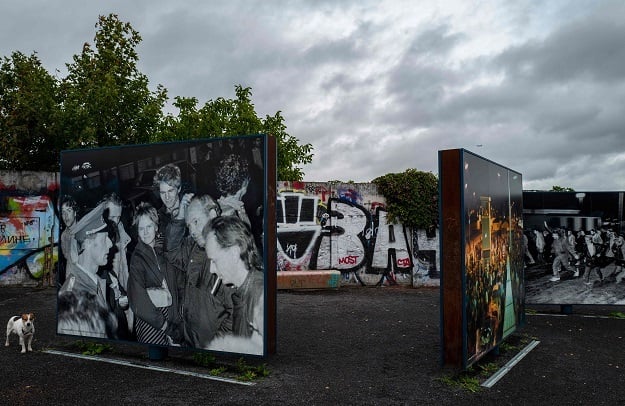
(352, 346)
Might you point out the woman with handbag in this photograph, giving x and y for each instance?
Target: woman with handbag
(151, 283)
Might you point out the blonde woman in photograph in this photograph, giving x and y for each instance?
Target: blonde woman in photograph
(151, 284)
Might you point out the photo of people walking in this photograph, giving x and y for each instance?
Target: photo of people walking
(577, 239)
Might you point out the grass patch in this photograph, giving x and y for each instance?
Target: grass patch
(506, 346)
(218, 371)
(92, 348)
(463, 381)
(204, 359)
(489, 368)
(617, 315)
(240, 370)
(472, 378)
(230, 368)
(250, 372)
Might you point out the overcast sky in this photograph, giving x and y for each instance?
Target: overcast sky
(382, 86)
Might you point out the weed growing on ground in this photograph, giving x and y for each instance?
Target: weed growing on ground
(92, 348)
(488, 368)
(506, 346)
(249, 372)
(472, 378)
(469, 383)
(617, 315)
(240, 369)
(204, 359)
(463, 380)
(218, 371)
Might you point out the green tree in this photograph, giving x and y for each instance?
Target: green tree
(106, 100)
(28, 112)
(556, 188)
(230, 117)
(411, 197)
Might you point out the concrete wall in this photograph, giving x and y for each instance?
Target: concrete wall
(28, 226)
(345, 227)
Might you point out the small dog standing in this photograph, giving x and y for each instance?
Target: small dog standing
(24, 327)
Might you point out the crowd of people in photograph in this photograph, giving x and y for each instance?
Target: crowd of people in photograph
(189, 273)
(596, 256)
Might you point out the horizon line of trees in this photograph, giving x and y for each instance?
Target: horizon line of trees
(104, 100)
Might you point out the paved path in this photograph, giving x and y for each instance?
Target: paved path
(355, 346)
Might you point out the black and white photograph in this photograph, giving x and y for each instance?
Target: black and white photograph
(164, 244)
(574, 247)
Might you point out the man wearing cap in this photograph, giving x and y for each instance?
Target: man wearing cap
(91, 233)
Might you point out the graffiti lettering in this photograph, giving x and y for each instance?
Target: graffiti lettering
(291, 250)
(389, 240)
(349, 232)
(350, 195)
(344, 236)
(350, 260)
(403, 262)
(29, 226)
(14, 239)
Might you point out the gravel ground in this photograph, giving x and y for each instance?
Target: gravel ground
(360, 346)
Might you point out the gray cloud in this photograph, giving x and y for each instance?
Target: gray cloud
(587, 49)
(381, 87)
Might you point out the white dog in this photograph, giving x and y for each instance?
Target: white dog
(24, 327)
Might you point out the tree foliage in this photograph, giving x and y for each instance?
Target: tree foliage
(229, 117)
(411, 197)
(556, 188)
(105, 100)
(28, 113)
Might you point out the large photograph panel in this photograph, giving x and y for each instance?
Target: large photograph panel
(166, 244)
(491, 273)
(575, 247)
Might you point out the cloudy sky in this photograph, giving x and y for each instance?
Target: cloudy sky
(382, 86)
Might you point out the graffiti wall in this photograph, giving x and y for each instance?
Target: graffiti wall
(28, 226)
(346, 227)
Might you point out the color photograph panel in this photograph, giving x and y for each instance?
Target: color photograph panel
(493, 270)
(515, 274)
(163, 244)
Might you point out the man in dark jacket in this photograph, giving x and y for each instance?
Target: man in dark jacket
(205, 305)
